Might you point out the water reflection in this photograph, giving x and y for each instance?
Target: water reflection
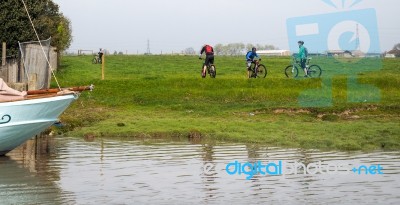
(110, 171)
(27, 177)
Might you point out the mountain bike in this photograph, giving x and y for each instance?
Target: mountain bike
(96, 59)
(257, 70)
(211, 70)
(292, 71)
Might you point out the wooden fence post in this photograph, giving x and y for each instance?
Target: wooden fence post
(32, 81)
(3, 59)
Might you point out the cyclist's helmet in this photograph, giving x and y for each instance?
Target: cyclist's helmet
(254, 49)
(301, 42)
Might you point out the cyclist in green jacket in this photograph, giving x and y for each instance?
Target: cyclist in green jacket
(302, 56)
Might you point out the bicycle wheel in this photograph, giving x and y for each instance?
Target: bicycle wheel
(203, 75)
(213, 71)
(291, 71)
(94, 61)
(251, 70)
(314, 71)
(261, 71)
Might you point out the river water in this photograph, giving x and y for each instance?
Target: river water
(62, 170)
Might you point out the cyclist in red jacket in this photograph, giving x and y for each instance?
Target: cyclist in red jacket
(209, 50)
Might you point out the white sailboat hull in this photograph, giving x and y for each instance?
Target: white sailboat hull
(21, 120)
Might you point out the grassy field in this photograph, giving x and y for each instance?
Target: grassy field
(165, 96)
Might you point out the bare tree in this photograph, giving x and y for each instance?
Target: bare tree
(235, 49)
(396, 47)
(219, 49)
(395, 50)
(249, 46)
(190, 51)
(261, 47)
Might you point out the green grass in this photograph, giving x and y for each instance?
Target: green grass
(153, 96)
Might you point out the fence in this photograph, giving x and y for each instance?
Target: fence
(30, 71)
(9, 70)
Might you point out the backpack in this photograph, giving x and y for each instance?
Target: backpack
(250, 56)
(247, 55)
(209, 49)
(305, 52)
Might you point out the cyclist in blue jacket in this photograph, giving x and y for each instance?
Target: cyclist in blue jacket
(250, 58)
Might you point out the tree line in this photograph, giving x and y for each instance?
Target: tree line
(396, 50)
(232, 49)
(48, 20)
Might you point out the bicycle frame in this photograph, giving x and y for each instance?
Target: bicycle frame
(256, 64)
(298, 63)
(311, 70)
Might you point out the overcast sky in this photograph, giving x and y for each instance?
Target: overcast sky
(173, 25)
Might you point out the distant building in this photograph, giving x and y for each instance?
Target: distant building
(273, 52)
(394, 52)
(345, 53)
(390, 55)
